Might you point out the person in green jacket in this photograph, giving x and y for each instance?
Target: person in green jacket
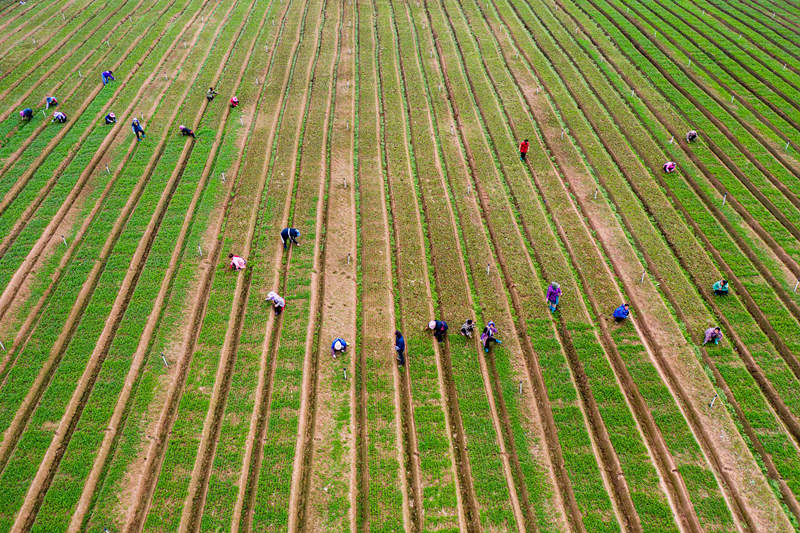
(721, 287)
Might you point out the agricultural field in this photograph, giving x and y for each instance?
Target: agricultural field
(145, 385)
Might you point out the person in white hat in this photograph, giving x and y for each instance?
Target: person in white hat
(338, 345)
(279, 302)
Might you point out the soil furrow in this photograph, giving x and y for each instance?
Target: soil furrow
(22, 12)
(31, 401)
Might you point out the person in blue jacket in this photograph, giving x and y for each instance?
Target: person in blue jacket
(621, 313)
(439, 328)
(290, 234)
(26, 114)
(400, 348)
(137, 129)
(107, 76)
(111, 118)
(338, 346)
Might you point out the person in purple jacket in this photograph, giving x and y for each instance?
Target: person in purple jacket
(107, 76)
(712, 334)
(553, 294)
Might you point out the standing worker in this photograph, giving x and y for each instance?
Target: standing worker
(290, 234)
(211, 93)
(621, 313)
(111, 118)
(137, 129)
(553, 294)
(523, 149)
(400, 347)
(26, 114)
(338, 346)
(237, 263)
(721, 287)
(50, 101)
(439, 328)
(107, 76)
(712, 334)
(279, 303)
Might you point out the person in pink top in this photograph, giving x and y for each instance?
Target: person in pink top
(237, 263)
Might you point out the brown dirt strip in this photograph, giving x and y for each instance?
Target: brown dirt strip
(198, 487)
(788, 418)
(408, 450)
(27, 265)
(153, 319)
(67, 424)
(520, 503)
(697, 420)
(621, 494)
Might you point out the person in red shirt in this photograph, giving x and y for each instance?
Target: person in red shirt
(523, 150)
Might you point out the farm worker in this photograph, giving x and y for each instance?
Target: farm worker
(523, 149)
(237, 263)
(137, 129)
(234, 102)
(278, 302)
(50, 101)
(691, 136)
(107, 76)
(26, 114)
(712, 334)
(111, 118)
(721, 287)
(621, 313)
(552, 296)
(59, 117)
(669, 166)
(467, 328)
(211, 93)
(338, 346)
(186, 132)
(289, 234)
(439, 328)
(489, 335)
(400, 347)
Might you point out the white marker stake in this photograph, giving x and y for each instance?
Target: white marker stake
(164, 359)
(520, 387)
(199, 250)
(108, 171)
(731, 98)
(690, 63)
(344, 182)
(452, 130)
(43, 113)
(724, 199)
(63, 17)
(488, 267)
(79, 74)
(3, 346)
(595, 194)
(64, 240)
(643, 273)
(787, 146)
(562, 133)
(241, 121)
(796, 283)
(784, 66)
(223, 177)
(349, 258)
(344, 371)
(671, 139)
(631, 93)
(711, 405)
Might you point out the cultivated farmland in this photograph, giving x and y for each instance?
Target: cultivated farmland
(146, 385)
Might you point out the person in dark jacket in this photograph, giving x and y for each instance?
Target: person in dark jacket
(439, 328)
(26, 114)
(467, 328)
(400, 347)
(621, 313)
(523, 149)
(290, 234)
(107, 76)
(691, 136)
(111, 118)
(137, 129)
(186, 132)
(721, 287)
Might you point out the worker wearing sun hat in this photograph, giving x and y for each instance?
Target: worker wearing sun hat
(338, 345)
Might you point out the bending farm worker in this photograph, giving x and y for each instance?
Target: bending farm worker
(50, 101)
(621, 312)
(137, 129)
(439, 328)
(338, 346)
(234, 102)
(553, 295)
(670, 166)
(691, 136)
(467, 328)
(523, 149)
(289, 234)
(186, 132)
(111, 118)
(59, 117)
(279, 303)
(712, 334)
(107, 76)
(26, 114)
(237, 263)
(400, 347)
(489, 335)
(721, 287)
(211, 93)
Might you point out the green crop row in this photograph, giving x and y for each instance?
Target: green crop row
(74, 360)
(33, 18)
(661, 209)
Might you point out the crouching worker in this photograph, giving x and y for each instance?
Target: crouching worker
(107, 76)
(59, 117)
(489, 335)
(467, 328)
(721, 287)
(186, 132)
(439, 328)
(290, 234)
(237, 263)
(111, 118)
(137, 129)
(278, 302)
(712, 334)
(400, 347)
(621, 313)
(50, 101)
(338, 346)
(234, 102)
(26, 114)
(670, 166)
(691, 136)
(211, 94)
